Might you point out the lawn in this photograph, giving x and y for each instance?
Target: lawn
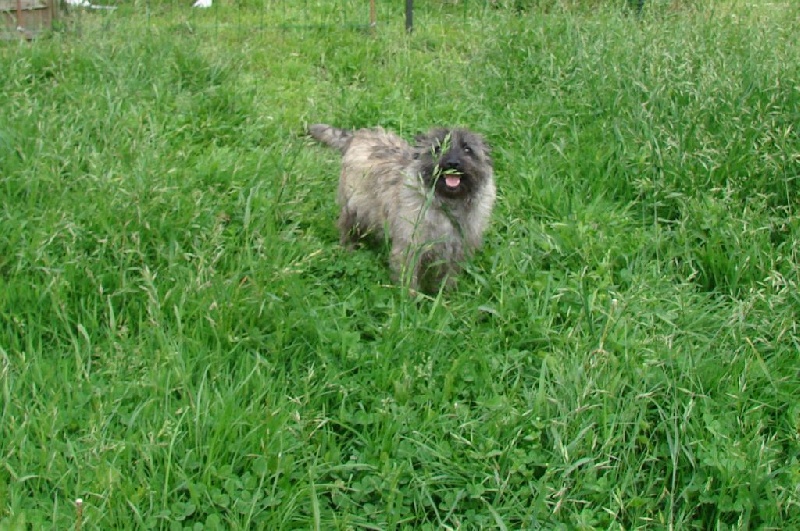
(185, 345)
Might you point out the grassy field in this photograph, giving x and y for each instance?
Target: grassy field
(184, 345)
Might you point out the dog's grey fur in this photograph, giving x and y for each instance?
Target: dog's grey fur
(433, 199)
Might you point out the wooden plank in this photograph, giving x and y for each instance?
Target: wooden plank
(22, 5)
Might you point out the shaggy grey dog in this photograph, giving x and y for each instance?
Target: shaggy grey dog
(433, 200)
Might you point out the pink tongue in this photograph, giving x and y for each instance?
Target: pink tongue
(452, 181)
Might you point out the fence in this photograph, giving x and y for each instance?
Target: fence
(250, 15)
(320, 13)
(27, 18)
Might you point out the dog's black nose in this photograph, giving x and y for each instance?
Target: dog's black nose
(450, 161)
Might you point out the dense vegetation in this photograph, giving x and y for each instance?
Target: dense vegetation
(184, 345)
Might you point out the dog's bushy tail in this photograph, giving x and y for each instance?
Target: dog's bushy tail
(333, 136)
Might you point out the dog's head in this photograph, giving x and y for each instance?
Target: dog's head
(456, 163)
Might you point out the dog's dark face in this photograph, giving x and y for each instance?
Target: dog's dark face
(455, 162)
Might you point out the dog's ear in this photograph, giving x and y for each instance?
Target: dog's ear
(487, 150)
(479, 141)
(431, 137)
(486, 147)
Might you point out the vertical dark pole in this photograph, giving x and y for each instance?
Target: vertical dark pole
(409, 15)
(21, 23)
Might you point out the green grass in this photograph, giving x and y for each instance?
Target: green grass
(184, 345)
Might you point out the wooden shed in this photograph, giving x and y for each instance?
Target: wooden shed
(27, 18)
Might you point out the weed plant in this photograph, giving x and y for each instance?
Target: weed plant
(184, 345)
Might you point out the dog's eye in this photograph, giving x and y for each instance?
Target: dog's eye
(467, 149)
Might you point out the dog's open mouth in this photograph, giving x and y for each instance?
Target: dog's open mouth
(452, 180)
